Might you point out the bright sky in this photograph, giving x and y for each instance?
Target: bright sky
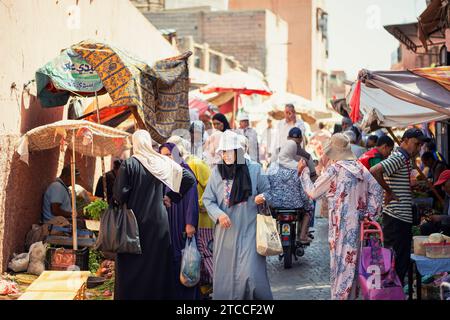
(357, 37)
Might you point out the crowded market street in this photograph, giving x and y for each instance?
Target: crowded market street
(202, 153)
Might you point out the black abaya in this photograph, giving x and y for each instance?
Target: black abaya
(148, 276)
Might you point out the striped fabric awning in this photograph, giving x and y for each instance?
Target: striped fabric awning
(440, 75)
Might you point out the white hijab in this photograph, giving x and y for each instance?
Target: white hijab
(163, 168)
(182, 144)
(287, 155)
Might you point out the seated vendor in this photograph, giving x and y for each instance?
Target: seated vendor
(440, 223)
(57, 198)
(436, 167)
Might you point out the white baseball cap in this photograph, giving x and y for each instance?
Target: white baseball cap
(243, 116)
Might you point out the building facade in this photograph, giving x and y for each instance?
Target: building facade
(307, 43)
(256, 38)
(206, 64)
(149, 5)
(337, 84)
(213, 4)
(404, 59)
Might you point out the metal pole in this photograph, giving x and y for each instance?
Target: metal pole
(422, 175)
(101, 158)
(74, 203)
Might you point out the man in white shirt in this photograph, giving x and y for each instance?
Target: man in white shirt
(267, 141)
(290, 121)
(250, 134)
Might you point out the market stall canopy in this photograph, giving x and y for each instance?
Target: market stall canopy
(202, 106)
(340, 106)
(117, 117)
(278, 101)
(67, 74)
(200, 77)
(239, 82)
(159, 93)
(435, 19)
(408, 34)
(440, 75)
(408, 86)
(91, 139)
(380, 109)
(216, 98)
(84, 137)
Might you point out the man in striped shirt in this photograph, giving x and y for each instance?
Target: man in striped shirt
(393, 174)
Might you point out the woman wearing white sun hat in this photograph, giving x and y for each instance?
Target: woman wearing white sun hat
(231, 197)
(353, 195)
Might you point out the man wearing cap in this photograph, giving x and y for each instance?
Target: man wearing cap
(250, 134)
(393, 174)
(440, 223)
(295, 134)
(57, 198)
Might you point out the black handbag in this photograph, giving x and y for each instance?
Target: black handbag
(119, 232)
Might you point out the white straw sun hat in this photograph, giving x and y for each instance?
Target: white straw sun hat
(338, 148)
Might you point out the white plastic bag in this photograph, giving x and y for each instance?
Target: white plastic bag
(268, 241)
(37, 258)
(19, 262)
(190, 264)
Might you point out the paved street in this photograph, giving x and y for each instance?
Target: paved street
(309, 277)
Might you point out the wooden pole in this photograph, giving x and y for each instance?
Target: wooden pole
(138, 118)
(74, 202)
(421, 174)
(101, 158)
(235, 107)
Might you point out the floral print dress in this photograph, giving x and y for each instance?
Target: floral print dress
(352, 194)
(286, 190)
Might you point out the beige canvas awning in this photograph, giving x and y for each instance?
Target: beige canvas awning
(93, 139)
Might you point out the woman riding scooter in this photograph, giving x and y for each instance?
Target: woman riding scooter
(286, 191)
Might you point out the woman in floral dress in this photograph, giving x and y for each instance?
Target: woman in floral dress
(353, 195)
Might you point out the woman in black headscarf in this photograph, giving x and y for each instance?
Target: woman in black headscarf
(231, 197)
(220, 122)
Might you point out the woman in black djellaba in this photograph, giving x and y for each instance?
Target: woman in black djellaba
(139, 184)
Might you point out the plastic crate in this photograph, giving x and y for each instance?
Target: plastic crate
(437, 250)
(81, 259)
(419, 242)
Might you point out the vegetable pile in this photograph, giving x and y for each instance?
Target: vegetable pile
(106, 269)
(95, 209)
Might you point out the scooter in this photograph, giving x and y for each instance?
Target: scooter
(288, 220)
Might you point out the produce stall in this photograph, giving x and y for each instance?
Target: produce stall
(80, 136)
(431, 259)
(387, 99)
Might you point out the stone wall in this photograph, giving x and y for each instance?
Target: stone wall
(33, 33)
